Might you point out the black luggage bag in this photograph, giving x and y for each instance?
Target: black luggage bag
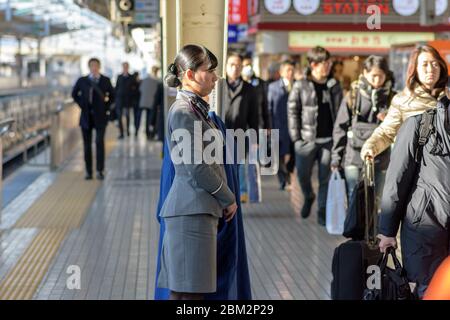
(352, 258)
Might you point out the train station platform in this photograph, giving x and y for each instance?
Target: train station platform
(52, 222)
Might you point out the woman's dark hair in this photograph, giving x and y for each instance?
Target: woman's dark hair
(190, 57)
(317, 55)
(412, 78)
(380, 63)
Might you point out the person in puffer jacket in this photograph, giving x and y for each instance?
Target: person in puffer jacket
(312, 107)
(416, 195)
(425, 83)
(362, 110)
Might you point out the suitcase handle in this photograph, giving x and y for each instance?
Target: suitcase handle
(370, 214)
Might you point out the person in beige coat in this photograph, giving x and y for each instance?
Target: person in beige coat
(427, 77)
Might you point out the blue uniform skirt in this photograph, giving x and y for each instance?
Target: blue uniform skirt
(189, 254)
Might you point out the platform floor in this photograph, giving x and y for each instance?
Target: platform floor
(109, 230)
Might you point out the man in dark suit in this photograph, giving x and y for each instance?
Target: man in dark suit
(278, 95)
(94, 94)
(125, 86)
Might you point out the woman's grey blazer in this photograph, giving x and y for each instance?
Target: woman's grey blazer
(198, 188)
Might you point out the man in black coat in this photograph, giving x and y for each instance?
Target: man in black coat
(94, 94)
(241, 110)
(126, 86)
(261, 88)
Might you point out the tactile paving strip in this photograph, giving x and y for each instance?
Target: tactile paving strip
(60, 209)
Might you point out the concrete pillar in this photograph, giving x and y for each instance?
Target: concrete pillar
(202, 22)
(170, 45)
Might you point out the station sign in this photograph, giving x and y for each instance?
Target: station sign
(351, 41)
(339, 11)
(146, 12)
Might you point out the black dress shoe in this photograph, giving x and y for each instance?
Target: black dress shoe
(306, 209)
(120, 137)
(88, 176)
(100, 175)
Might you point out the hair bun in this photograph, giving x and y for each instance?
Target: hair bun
(173, 69)
(172, 80)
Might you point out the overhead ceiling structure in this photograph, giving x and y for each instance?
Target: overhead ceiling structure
(42, 18)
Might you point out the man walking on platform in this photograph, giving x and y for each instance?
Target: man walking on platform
(278, 99)
(94, 94)
(124, 97)
(241, 109)
(150, 99)
(312, 108)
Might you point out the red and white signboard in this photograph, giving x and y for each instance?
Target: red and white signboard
(237, 12)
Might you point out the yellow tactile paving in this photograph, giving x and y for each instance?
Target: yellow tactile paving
(61, 208)
(23, 280)
(63, 205)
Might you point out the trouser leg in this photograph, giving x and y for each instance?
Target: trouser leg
(87, 143)
(100, 148)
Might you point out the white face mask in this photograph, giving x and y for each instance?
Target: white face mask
(247, 71)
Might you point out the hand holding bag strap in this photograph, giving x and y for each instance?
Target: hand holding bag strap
(390, 251)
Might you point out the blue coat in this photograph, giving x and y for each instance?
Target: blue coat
(278, 100)
(233, 279)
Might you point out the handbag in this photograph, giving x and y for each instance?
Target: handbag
(361, 131)
(394, 284)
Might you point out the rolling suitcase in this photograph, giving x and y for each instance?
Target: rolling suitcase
(352, 258)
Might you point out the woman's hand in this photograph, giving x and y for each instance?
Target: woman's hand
(230, 211)
(381, 116)
(368, 155)
(386, 242)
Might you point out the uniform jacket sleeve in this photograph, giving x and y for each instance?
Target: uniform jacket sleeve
(205, 175)
(400, 178)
